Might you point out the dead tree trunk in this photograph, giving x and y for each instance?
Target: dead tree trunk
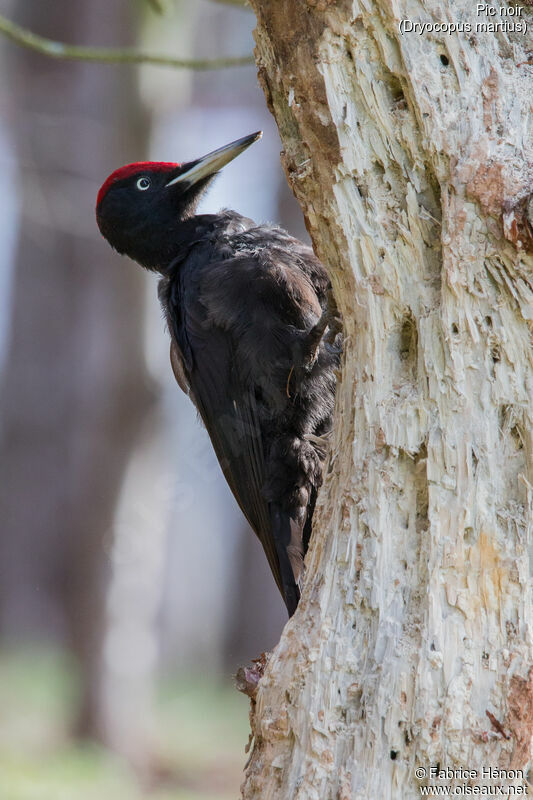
(412, 159)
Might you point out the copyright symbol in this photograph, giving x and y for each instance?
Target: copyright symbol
(420, 772)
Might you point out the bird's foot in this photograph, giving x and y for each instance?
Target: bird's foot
(322, 442)
(328, 327)
(333, 337)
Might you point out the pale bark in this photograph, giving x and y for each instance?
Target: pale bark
(412, 159)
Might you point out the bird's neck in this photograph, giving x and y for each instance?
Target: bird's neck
(170, 247)
(185, 234)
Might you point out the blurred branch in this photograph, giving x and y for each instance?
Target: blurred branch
(110, 55)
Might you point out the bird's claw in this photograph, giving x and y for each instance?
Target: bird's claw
(322, 442)
(334, 321)
(328, 327)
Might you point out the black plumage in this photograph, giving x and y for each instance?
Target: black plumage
(246, 306)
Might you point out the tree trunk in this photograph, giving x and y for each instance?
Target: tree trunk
(412, 160)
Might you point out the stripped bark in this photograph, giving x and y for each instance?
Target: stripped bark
(412, 159)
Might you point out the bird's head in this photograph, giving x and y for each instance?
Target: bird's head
(140, 206)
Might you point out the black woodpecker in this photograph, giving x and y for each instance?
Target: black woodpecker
(255, 341)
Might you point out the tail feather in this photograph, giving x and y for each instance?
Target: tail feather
(287, 535)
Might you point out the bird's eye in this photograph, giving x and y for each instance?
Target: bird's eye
(143, 184)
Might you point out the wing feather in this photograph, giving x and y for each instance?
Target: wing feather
(240, 325)
(228, 408)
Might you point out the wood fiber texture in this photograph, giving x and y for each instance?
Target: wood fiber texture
(412, 159)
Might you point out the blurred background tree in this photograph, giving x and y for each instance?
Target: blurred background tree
(75, 386)
(120, 543)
